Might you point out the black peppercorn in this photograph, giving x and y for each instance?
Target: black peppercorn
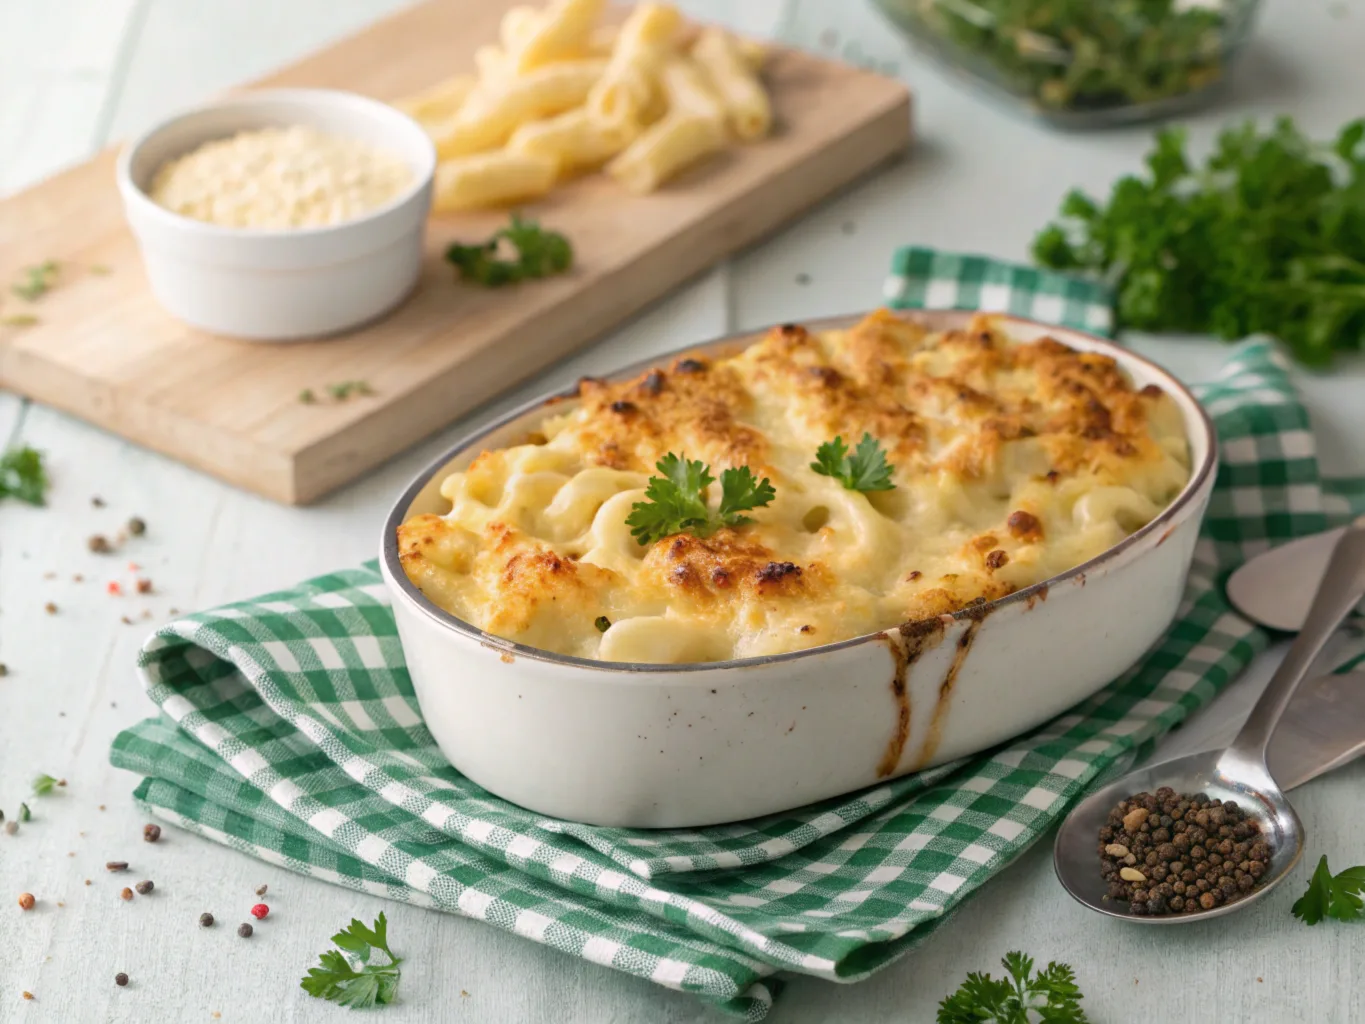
(120, 979)
(244, 930)
(143, 888)
(205, 920)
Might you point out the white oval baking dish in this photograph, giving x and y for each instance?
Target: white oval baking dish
(285, 284)
(687, 745)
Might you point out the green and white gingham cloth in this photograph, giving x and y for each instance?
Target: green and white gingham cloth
(288, 730)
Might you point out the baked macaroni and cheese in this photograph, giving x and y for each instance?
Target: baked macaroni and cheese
(706, 511)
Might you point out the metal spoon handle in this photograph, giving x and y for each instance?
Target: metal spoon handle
(1340, 591)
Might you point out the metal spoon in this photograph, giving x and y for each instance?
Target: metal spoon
(1238, 773)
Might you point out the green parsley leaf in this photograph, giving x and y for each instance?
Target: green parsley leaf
(44, 784)
(22, 475)
(602, 623)
(24, 813)
(336, 980)
(1051, 995)
(343, 390)
(1268, 236)
(538, 253)
(866, 470)
(1328, 895)
(35, 281)
(675, 500)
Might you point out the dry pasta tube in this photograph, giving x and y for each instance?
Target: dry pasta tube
(497, 108)
(675, 143)
(626, 92)
(492, 179)
(573, 139)
(517, 24)
(439, 103)
(560, 31)
(746, 104)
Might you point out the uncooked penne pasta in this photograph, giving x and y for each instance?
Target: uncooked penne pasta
(518, 23)
(439, 103)
(627, 91)
(602, 40)
(491, 179)
(688, 90)
(573, 139)
(666, 148)
(753, 52)
(560, 31)
(746, 104)
(498, 107)
(492, 62)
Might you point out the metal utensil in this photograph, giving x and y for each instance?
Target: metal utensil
(1275, 588)
(1238, 773)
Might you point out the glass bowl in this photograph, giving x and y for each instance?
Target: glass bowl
(1084, 63)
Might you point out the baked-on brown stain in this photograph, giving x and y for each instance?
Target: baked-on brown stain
(1037, 597)
(1169, 530)
(907, 644)
(945, 691)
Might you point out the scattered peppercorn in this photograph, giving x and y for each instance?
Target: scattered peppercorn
(244, 930)
(126, 894)
(1170, 853)
(97, 501)
(137, 526)
(99, 544)
(120, 979)
(143, 888)
(26, 901)
(144, 586)
(261, 890)
(50, 608)
(116, 865)
(151, 832)
(259, 911)
(11, 828)
(205, 920)
(4, 669)
(27, 995)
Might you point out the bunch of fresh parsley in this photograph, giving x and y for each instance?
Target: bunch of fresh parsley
(865, 470)
(520, 251)
(334, 979)
(1328, 895)
(1051, 995)
(1267, 237)
(22, 475)
(675, 500)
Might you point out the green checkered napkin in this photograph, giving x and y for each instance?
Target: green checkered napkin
(288, 730)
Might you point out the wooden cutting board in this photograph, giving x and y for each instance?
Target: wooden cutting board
(105, 351)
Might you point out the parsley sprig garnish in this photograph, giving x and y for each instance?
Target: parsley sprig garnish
(1329, 895)
(538, 253)
(1051, 995)
(1267, 237)
(22, 475)
(865, 470)
(675, 500)
(337, 981)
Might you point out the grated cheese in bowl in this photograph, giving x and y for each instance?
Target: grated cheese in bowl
(279, 178)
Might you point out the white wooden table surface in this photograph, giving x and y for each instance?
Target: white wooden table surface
(75, 74)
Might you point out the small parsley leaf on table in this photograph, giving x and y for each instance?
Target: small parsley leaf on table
(1328, 895)
(675, 500)
(45, 784)
(23, 476)
(865, 470)
(337, 981)
(539, 252)
(1050, 996)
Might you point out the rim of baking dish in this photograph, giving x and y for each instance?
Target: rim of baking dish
(405, 588)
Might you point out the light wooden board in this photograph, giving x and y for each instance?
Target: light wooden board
(106, 352)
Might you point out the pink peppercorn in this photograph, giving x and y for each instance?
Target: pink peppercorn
(259, 911)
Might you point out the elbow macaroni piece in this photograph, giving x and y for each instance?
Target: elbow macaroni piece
(1012, 462)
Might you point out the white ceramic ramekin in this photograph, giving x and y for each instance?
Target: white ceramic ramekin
(687, 745)
(280, 285)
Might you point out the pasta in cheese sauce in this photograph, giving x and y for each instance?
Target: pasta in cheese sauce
(1013, 462)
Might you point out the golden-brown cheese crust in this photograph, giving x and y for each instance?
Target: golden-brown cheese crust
(1012, 462)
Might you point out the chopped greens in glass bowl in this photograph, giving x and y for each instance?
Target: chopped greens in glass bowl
(1085, 63)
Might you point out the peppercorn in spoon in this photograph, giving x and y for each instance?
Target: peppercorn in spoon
(1238, 775)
